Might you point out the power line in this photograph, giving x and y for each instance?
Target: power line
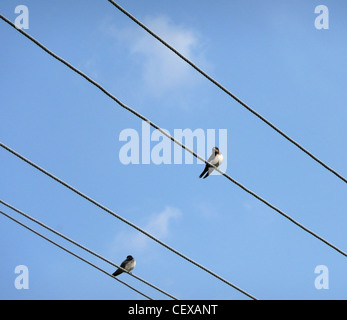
(169, 136)
(226, 90)
(88, 198)
(122, 219)
(74, 254)
(84, 248)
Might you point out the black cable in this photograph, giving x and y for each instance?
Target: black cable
(141, 117)
(171, 138)
(226, 90)
(167, 135)
(122, 219)
(84, 248)
(74, 254)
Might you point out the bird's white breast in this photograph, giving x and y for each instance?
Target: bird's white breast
(131, 265)
(218, 159)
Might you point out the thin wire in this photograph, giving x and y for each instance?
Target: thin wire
(227, 91)
(152, 237)
(88, 198)
(122, 219)
(74, 254)
(170, 137)
(84, 248)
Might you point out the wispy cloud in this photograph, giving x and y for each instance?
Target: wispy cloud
(161, 69)
(157, 225)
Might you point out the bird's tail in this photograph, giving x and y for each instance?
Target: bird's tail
(206, 175)
(117, 272)
(202, 173)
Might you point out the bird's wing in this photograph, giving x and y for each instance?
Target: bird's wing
(211, 158)
(210, 170)
(117, 272)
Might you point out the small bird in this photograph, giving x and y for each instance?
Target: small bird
(128, 264)
(216, 159)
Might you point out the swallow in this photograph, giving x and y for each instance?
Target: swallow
(128, 264)
(216, 159)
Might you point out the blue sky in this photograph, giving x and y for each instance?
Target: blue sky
(269, 54)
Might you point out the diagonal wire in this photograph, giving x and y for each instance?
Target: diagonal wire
(84, 248)
(226, 90)
(88, 198)
(74, 254)
(168, 136)
(174, 140)
(122, 219)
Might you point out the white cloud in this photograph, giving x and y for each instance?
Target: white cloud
(158, 225)
(162, 70)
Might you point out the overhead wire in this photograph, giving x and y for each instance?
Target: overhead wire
(124, 220)
(74, 254)
(84, 248)
(227, 91)
(168, 136)
(143, 118)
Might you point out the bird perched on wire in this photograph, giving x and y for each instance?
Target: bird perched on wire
(128, 264)
(216, 159)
